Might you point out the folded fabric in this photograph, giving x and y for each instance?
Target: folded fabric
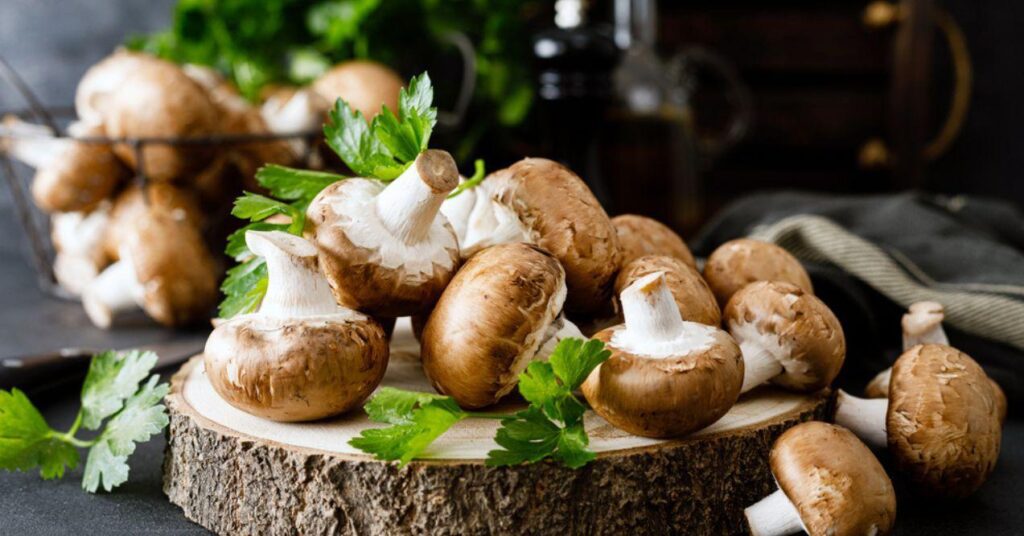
(872, 256)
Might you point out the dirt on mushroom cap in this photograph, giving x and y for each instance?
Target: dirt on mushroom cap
(692, 294)
(737, 263)
(942, 421)
(836, 483)
(640, 236)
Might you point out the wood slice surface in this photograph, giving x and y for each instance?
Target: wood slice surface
(238, 474)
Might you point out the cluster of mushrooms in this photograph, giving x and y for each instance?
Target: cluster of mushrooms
(136, 226)
(494, 278)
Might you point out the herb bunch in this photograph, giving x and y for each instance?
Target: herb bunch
(551, 427)
(120, 400)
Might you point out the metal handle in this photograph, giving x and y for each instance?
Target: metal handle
(453, 118)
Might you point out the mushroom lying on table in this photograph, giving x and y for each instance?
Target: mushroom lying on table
(691, 293)
(788, 336)
(301, 356)
(829, 484)
(940, 420)
(78, 240)
(500, 312)
(737, 263)
(640, 236)
(922, 324)
(387, 251)
(666, 377)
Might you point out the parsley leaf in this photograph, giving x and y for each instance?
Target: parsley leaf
(292, 184)
(112, 378)
(244, 288)
(416, 425)
(27, 442)
(349, 135)
(573, 360)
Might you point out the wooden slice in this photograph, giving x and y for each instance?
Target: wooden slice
(238, 474)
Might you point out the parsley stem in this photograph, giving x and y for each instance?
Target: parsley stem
(75, 425)
(69, 438)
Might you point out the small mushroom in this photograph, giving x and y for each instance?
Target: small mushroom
(940, 420)
(301, 356)
(564, 217)
(691, 293)
(71, 176)
(640, 236)
(78, 240)
(364, 85)
(291, 110)
(829, 484)
(788, 336)
(500, 312)
(164, 267)
(666, 377)
(387, 251)
(134, 201)
(481, 222)
(737, 263)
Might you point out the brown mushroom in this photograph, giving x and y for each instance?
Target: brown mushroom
(300, 357)
(564, 217)
(666, 377)
(364, 85)
(788, 336)
(497, 315)
(692, 295)
(940, 420)
(829, 484)
(479, 221)
(640, 236)
(134, 201)
(387, 251)
(78, 241)
(737, 263)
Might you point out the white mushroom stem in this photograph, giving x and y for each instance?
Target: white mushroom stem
(33, 145)
(409, 205)
(774, 515)
(865, 417)
(295, 286)
(650, 311)
(759, 365)
(922, 324)
(116, 290)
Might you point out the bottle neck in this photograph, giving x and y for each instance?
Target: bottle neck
(636, 23)
(570, 14)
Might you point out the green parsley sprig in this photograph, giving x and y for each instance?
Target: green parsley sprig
(117, 400)
(551, 427)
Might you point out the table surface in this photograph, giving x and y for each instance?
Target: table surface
(32, 322)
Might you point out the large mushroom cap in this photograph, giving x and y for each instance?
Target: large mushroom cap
(692, 294)
(795, 327)
(835, 482)
(369, 267)
(490, 321)
(942, 421)
(640, 236)
(565, 219)
(739, 262)
(364, 85)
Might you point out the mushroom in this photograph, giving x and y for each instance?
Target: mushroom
(499, 313)
(691, 293)
(291, 110)
(387, 251)
(739, 262)
(666, 377)
(301, 356)
(640, 236)
(563, 217)
(480, 222)
(940, 420)
(71, 176)
(135, 200)
(364, 85)
(922, 324)
(788, 336)
(829, 483)
(156, 99)
(78, 240)
(164, 267)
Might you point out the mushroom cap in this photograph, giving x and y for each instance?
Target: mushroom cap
(566, 220)
(386, 278)
(157, 99)
(134, 201)
(942, 422)
(739, 262)
(640, 236)
(93, 94)
(797, 327)
(296, 369)
(490, 321)
(834, 481)
(83, 176)
(666, 396)
(364, 85)
(175, 268)
(692, 294)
